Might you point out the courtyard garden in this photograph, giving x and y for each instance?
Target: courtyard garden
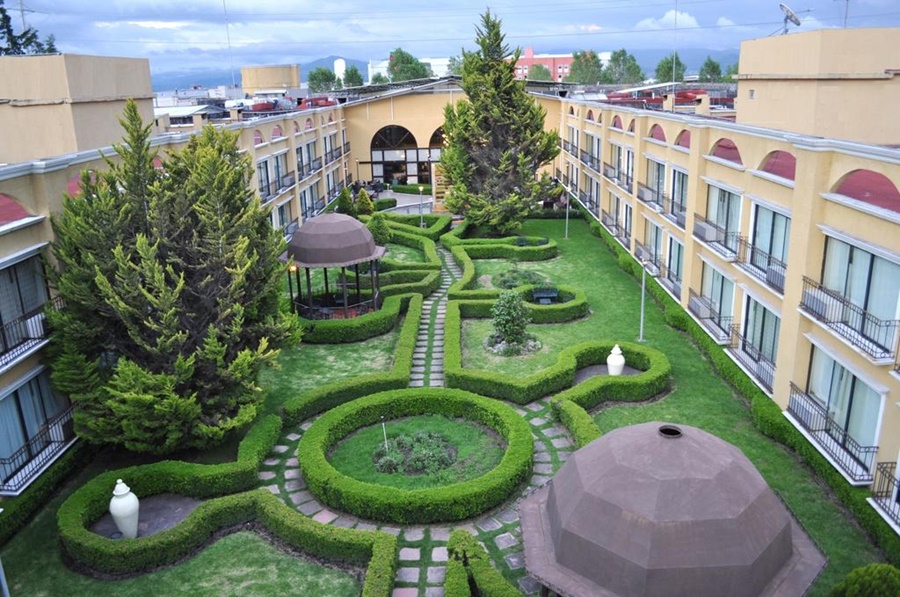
(471, 447)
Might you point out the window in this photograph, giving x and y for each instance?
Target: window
(262, 174)
(719, 290)
(653, 241)
(656, 178)
(676, 260)
(24, 414)
(869, 282)
(300, 162)
(23, 292)
(617, 159)
(679, 192)
(761, 330)
(771, 234)
(629, 167)
(724, 210)
(281, 169)
(850, 403)
(285, 215)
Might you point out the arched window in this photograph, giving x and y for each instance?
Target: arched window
(590, 115)
(725, 149)
(870, 187)
(309, 123)
(631, 126)
(657, 132)
(617, 122)
(395, 156)
(257, 137)
(780, 163)
(571, 111)
(330, 118)
(296, 127)
(12, 211)
(683, 139)
(276, 132)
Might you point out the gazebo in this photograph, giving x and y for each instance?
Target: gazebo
(663, 510)
(333, 240)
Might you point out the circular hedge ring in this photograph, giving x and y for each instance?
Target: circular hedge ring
(416, 506)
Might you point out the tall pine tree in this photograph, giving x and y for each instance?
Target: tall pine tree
(495, 139)
(171, 284)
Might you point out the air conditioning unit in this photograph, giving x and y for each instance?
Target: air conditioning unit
(35, 326)
(680, 218)
(645, 194)
(815, 300)
(704, 231)
(775, 276)
(699, 308)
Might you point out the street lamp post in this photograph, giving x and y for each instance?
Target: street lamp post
(568, 201)
(357, 169)
(643, 297)
(4, 588)
(421, 217)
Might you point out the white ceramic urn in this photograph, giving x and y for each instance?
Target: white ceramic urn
(124, 507)
(615, 362)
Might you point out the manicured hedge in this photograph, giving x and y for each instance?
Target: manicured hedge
(767, 415)
(579, 422)
(386, 203)
(19, 510)
(430, 281)
(440, 504)
(559, 376)
(297, 409)
(436, 225)
(464, 551)
(412, 189)
(355, 329)
(464, 287)
(378, 550)
(415, 241)
(575, 308)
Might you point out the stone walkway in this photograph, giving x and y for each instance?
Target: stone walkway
(423, 548)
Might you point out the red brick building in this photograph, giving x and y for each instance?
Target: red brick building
(557, 64)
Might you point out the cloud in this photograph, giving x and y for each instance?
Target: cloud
(724, 22)
(670, 20)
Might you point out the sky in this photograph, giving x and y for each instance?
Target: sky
(185, 35)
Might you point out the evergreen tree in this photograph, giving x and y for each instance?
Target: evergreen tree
(403, 66)
(352, 77)
(378, 79)
(586, 68)
(345, 203)
(711, 71)
(364, 204)
(380, 231)
(731, 71)
(454, 67)
(321, 79)
(173, 309)
(622, 69)
(539, 72)
(495, 139)
(665, 66)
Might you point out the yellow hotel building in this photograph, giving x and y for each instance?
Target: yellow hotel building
(779, 237)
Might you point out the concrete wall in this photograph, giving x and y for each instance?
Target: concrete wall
(254, 78)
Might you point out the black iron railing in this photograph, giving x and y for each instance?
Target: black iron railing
(653, 197)
(718, 325)
(21, 334)
(761, 367)
(316, 164)
(304, 170)
(674, 211)
(722, 240)
(761, 265)
(347, 147)
(288, 180)
(854, 459)
(611, 172)
(570, 148)
(17, 469)
(886, 490)
(591, 161)
(670, 280)
(610, 222)
(267, 190)
(588, 200)
(649, 257)
(876, 337)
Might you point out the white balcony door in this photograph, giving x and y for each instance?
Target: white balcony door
(851, 404)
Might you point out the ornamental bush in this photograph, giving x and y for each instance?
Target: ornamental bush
(345, 203)
(364, 205)
(868, 581)
(379, 229)
(510, 317)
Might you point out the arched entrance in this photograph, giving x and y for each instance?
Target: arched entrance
(395, 156)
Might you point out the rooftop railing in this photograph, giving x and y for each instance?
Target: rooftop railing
(761, 265)
(876, 337)
(854, 459)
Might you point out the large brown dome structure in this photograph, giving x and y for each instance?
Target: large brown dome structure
(659, 510)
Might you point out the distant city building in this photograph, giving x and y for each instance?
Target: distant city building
(282, 76)
(559, 65)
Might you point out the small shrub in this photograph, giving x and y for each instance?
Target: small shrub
(869, 581)
(510, 317)
(364, 205)
(517, 277)
(345, 203)
(379, 229)
(386, 203)
(423, 453)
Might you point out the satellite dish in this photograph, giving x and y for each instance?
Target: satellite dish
(789, 16)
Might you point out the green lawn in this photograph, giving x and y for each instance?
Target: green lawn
(404, 254)
(478, 451)
(699, 398)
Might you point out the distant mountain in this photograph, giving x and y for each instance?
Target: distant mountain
(213, 78)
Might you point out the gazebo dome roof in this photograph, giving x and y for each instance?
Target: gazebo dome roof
(333, 240)
(655, 509)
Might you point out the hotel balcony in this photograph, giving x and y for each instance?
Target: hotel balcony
(590, 161)
(287, 181)
(845, 453)
(718, 326)
(886, 492)
(316, 164)
(674, 212)
(20, 335)
(25, 464)
(670, 280)
(723, 241)
(588, 201)
(304, 171)
(268, 190)
(609, 222)
(875, 337)
(622, 179)
(647, 257)
(651, 197)
(761, 265)
(751, 359)
(570, 148)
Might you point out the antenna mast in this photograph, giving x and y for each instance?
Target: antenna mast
(228, 38)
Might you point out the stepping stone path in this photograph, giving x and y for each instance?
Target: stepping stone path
(422, 560)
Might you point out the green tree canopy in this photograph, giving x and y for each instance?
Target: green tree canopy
(664, 68)
(27, 42)
(731, 70)
(455, 66)
(403, 66)
(539, 72)
(622, 69)
(586, 68)
(378, 79)
(495, 139)
(173, 309)
(352, 77)
(321, 79)
(711, 71)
